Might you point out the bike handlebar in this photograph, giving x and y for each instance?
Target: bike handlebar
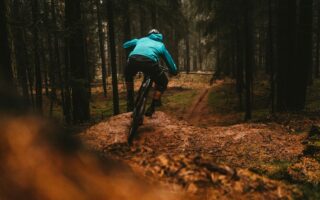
(165, 69)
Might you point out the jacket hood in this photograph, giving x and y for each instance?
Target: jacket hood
(156, 37)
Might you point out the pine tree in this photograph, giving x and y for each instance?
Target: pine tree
(76, 53)
(113, 56)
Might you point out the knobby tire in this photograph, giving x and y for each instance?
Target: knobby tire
(139, 110)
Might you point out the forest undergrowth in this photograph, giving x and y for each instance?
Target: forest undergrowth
(199, 142)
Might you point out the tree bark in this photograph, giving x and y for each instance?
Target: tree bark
(6, 76)
(78, 69)
(102, 50)
(317, 64)
(142, 21)
(239, 80)
(305, 48)
(51, 64)
(249, 57)
(113, 57)
(67, 89)
(127, 19)
(187, 40)
(176, 47)
(45, 64)
(154, 15)
(35, 18)
(20, 53)
(286, 50)
(218, 68)
(8, 93)
(126, 35)
(270, 56)
(195, 66)
(200, 55)
(57, 63)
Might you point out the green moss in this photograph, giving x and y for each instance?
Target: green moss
(313, 96)
(274, 170)
(102, 108)
(223, 99)
(310, 191)
(261, 113)
(280, 171)
(178, 100)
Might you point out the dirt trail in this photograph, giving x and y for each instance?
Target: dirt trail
(184, 155)
(199, 112)
(199, 107)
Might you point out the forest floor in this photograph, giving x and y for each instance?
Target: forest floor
(199, 143)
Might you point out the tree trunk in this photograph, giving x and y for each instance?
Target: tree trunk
(305, 47)
(154, 15)
(175, 47)
(127, 24)
(286, 50)
(270, 55)
(51, 63)
(142, 21)
(317, 64)
(67, 89)
(200, 55)
(195, 66)
(6, 76)
(44, 66)
(57, 60)
(78, 69)
(102, 50)
(187, 40)
(249, 56)
(218, 69)
(85, 41)
(239, 80)
(46, 81)
(30, 75)
(8, 93)
(120, 55)
(126, 35)
(35, 18)
(20, 53)
(113, 57)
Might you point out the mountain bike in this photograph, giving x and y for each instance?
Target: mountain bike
(139, 108)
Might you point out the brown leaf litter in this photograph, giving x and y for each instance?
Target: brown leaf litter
(207, 162)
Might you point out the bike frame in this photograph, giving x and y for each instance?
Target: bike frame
(139, 108)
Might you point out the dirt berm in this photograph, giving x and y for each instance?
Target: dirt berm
(207, 163)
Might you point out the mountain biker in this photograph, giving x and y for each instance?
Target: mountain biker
(145, 57)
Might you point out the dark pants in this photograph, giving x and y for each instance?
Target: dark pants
(143, 64)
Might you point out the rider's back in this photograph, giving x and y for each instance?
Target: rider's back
(151, 47)
(148, 47)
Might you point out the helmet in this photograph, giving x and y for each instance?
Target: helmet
(152, 31)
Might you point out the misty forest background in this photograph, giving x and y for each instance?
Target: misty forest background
(54, 53)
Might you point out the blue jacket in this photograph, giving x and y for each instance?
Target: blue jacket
(152, 47)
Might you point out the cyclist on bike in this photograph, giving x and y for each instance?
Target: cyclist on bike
(145, 57)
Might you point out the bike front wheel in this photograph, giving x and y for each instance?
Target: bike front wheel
(137, 120)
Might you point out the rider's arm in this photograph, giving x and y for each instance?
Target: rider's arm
(130, 44)
(169, 61)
